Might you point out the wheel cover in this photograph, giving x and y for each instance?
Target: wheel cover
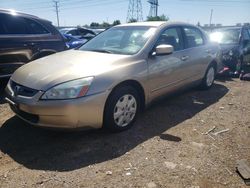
(125, 110)
(210, 76)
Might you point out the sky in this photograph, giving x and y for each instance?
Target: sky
(81, 12)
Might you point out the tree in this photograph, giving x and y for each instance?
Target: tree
(116, 22)
(94, 24)
(157, 18)
(105, 25)
(132, 20)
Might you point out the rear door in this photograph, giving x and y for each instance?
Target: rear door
(14, 50)
(197, 53)
(42, 39)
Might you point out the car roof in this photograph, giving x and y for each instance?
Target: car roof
(151, 23)
(226, 29)
(67, 28)
(14, 12)
(231, 27)
(155, 23)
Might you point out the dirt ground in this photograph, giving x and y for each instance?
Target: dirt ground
(165, 148)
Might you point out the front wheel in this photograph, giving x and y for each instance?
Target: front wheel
(121, 109)
(208, 80)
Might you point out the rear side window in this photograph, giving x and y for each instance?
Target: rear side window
(16, 25)
(2, 26)
(171, 36)
(194, 37)
(34, 27)
(13, 25)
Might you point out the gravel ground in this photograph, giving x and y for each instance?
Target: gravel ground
(165, 148)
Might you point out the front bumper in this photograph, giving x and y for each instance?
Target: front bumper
(85, 112)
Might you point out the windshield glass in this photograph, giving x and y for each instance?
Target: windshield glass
(228, 36)
(120, 40)
(63, 31)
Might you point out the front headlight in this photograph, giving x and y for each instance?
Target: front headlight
(68, 90)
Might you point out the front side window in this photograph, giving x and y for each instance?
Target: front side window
(193, 37)
(127, 40)
(171, 36)
(245, 34)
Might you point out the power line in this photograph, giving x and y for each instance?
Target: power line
(134, 10)
(72, 6)
(57, 11)
(211, 17)
(153, 12)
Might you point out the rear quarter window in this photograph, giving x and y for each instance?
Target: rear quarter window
(12, 25)
(17, 25)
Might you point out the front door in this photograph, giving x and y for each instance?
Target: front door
(165, 71)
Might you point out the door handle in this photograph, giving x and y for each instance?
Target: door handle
(30, 44)
(184, 58)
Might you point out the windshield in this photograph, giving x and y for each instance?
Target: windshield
(228, 36)
(120, 40)
(63, 31)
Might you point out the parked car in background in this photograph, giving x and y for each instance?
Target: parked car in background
(235, 45)
(98, 31)
(108, 80)
(79, 32)
(24, 38)
(73, 42)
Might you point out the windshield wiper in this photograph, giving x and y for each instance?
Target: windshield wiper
(101, 50)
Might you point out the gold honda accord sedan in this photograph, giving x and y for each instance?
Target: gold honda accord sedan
(108, 80)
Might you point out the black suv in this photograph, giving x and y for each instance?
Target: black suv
(235, 45)
(24, 38)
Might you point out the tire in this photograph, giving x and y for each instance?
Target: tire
(208, 79)
(121, 109)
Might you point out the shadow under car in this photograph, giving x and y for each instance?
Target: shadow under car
(41, 149)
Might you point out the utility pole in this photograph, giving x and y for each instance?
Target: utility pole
(153, 12)
(134, 11)
(211, 17)
(57, 11)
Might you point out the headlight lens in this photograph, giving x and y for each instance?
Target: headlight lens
(68, 90)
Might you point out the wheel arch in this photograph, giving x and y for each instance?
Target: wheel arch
(43, 53)
(136, 85)
(213, 63)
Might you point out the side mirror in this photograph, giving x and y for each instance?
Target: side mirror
(164, 49)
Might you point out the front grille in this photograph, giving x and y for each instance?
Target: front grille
(22, 90)
(27, 116)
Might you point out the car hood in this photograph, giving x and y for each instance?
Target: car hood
(49, 71)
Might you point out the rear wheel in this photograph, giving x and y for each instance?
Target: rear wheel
(121, 109)
(208, 80)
